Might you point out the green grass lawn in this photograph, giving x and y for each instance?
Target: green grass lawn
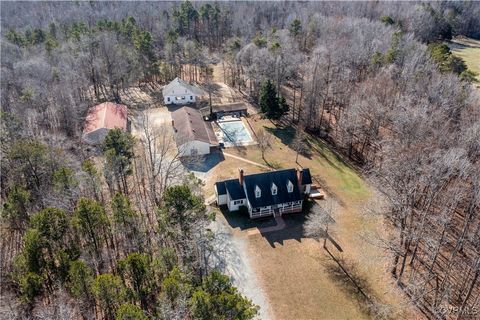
(334, 174)
(309, 279)
(469, 51)
(338, 173)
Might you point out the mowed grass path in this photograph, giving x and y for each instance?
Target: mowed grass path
(297, 275)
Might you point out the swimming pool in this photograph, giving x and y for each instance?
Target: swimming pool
(234, 132)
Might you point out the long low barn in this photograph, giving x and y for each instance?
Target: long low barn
(193, 135)
(236, 108)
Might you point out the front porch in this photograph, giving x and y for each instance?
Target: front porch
(276, 210)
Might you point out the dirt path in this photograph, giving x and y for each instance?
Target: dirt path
(245, 160)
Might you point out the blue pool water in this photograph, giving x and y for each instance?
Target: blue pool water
(235, 132)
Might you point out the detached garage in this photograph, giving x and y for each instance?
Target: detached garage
(180, 92)
(193, 135)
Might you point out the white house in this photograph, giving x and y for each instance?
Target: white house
(193, 135)
(180, 92)
(265, 194)
(102, 118)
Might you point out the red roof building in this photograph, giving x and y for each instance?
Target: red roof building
(104, 117)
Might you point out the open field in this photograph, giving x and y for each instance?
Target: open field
(469, 50)
(299, 278)
(326, 166)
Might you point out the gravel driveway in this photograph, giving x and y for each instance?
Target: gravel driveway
(231, 258)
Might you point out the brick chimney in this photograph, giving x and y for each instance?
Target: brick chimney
(240, 176)
(299, 177)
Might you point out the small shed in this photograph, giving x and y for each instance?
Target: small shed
(102, 118)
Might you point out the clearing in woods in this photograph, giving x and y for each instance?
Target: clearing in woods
(469, 50)
(298, 277)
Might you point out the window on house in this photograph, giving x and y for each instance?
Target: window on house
(290, 186)
(191, 97)
(274, 189)
(258, 192)
(168, 99)
(237, 202)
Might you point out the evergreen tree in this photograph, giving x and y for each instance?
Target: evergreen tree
(15, 211)
(128, 311)
(273, 106)
(268, 98)
(137, 273)
(80, 279)
(295, 27)
(91, 221)
(118, 150)
(109, 292)
(218, 299)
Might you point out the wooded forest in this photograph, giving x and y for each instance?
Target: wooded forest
(372, 79)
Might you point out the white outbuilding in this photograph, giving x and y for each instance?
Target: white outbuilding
(180, 92)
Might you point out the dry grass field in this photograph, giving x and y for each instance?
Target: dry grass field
(298, 276)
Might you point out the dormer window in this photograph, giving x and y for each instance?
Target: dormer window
(290, 186)
(258, 192)
(274, 189)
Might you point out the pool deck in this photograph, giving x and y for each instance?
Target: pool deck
(219, 132)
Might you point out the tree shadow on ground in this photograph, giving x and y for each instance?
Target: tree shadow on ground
(319, 147)
(324, 186)
(242, 150)
(240, 219)
(285, 134)
(293, 230)
(347, 275)
(203, 163)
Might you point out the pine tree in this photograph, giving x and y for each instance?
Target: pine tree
(271, 105)
(268, 98)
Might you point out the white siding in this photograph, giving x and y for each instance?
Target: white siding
(221, 199)
(234, 205)
(180, 99)
(307, 188)
(192, 148)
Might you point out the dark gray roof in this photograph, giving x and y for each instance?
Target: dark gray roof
(264, 182)
(235, 189)
(306, 177)
(189, 126)
(227, 107)
(221, 189)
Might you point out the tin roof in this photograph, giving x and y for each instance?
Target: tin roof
(107, 115)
